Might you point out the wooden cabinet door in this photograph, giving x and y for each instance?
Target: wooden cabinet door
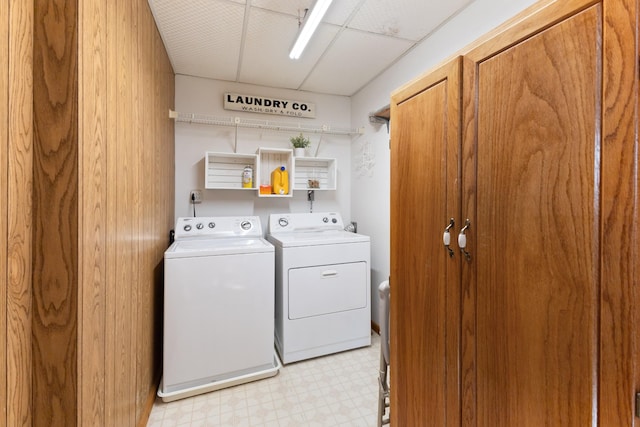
(533, 192)
(538, 326)
(425, 299)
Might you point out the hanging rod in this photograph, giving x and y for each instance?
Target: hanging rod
(260, 124)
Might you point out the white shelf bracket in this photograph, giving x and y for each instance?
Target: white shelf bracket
(324, 129)
(236, 120)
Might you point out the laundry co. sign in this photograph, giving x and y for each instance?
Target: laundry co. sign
(267, 105)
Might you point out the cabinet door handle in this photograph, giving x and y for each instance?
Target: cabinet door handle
(462, 240)
(329, 273)
(446, 237)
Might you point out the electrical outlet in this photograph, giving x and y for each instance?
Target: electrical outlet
(195, 196)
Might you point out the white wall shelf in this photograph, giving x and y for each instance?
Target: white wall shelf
(224, 170)
(310, 171)
(270, 159)
(239, 122)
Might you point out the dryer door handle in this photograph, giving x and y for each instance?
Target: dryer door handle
(329, 273)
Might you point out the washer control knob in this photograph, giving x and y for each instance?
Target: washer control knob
(283, 222)
(325, 219)
(333, 220)
(187, 227)
(199, 226)
(212, 224)
(245, 225)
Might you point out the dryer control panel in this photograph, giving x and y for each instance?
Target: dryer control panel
(292, 222)
(218, 227)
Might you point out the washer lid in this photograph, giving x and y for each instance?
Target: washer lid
(199, 247)
(314, 238)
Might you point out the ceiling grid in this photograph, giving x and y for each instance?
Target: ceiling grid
(248, 41)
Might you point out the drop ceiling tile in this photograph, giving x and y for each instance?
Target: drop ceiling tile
(408, 19)
(202, 37)
(287, 7)
(337, 14)
(266, 53)
(353, 60)
(205, 38)
(341, 10)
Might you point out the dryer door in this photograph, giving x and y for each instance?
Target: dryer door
(326, 289)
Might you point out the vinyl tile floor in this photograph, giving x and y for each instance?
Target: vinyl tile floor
(335, 390)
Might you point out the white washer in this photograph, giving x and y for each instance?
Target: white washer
(322, 285)
(218, 306)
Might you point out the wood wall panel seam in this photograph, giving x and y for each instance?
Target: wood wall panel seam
(4, 194)
(112, 181)
(142, 357)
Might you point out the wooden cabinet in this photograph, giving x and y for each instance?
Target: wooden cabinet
(536, 244)
(424, 196)
(535, 327)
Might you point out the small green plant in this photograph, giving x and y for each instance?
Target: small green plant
(299, 141)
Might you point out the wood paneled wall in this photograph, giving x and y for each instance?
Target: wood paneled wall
(16, 224)
(55, 213)
(126, 175)
(4, 194)
(87, 170)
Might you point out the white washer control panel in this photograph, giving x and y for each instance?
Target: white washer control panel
(213, 227)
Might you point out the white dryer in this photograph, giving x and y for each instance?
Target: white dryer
(322, 285)
(218, 306)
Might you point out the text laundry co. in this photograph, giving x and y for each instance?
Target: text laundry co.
(266, 105)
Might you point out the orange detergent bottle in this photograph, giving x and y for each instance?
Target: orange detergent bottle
(280, 181)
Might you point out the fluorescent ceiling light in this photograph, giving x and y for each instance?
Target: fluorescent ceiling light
(309, 26)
